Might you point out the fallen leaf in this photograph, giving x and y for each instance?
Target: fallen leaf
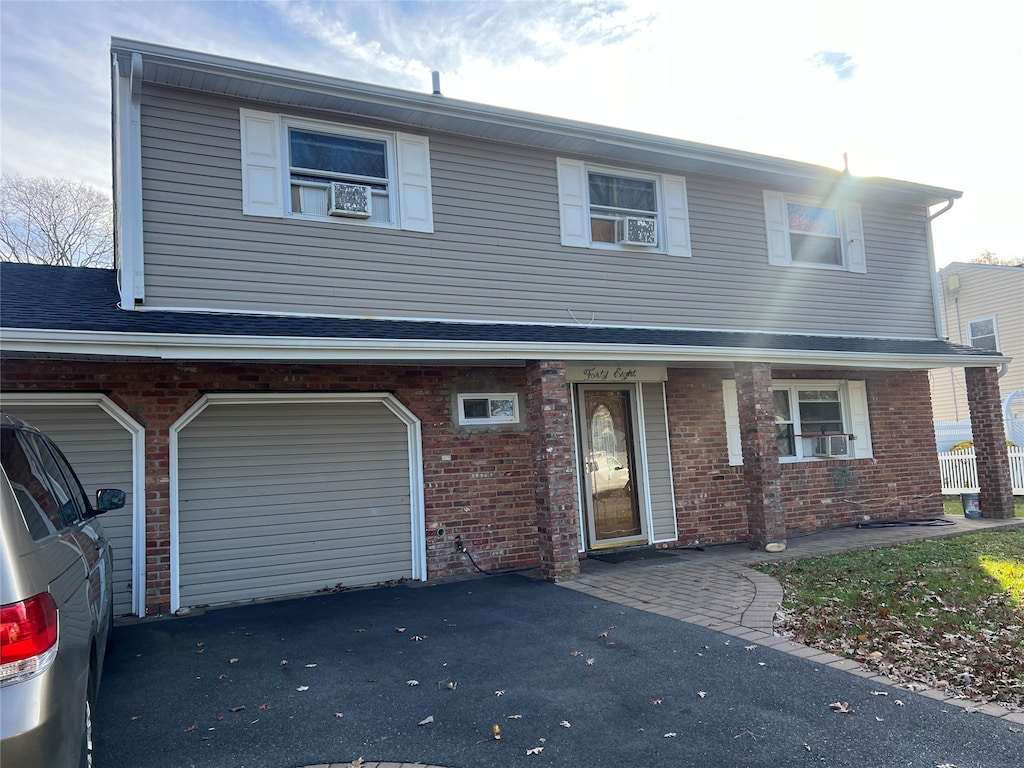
(898, 703)
(655, 702)
(841, 707)
(399, 629)
(590, 662)
(200, 645)
(1011, 729)
(412, 683)
(535, 751)
(310, 666)
(239, 708)
(191, 728)
(452, 686)
(339, 714)
(201, 650)
(576, 653)
(418, 638)
(603, 634)
(232, 661)
(499, 693)
(514, 717)
(283, 663)
(670, 735)
(496, 732)
(222, 677)
(761, 664)
(264, 707)
(749, 647)
(135, 717)
(565, 724)
(357, 763)
(426, 720)
(702, 694)
(879, 693)
(359, 630)
(807, 746)
(302, 688)
(879, 719)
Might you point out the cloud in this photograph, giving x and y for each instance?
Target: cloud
(840, 63)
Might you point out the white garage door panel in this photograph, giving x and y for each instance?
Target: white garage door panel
(100, 450)
(278, 499)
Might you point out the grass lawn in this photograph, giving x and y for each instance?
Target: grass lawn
(946, 613)
(952, 505)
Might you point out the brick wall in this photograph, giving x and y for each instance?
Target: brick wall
(478, 484)
(983, 399)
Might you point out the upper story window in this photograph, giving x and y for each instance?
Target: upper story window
(814, 233)
(341, 176)
(318, 170)
(615, 209)
(983, 333)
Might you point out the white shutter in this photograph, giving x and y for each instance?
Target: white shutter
(856, 261)
(415, 209)
(572, 203)
(855, 395)
(777, 221)
(262, 182)
(732, 422)
(677, 216)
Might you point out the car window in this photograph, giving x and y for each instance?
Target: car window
(74, 502)
(24, 469)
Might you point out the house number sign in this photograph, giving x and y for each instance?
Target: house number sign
(614, 374)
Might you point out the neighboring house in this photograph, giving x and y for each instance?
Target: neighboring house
(354, 332)
(982, 305)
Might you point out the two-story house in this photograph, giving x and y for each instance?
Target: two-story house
(357, 334)
(982, 305)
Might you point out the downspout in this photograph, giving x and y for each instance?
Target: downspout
(940, 332)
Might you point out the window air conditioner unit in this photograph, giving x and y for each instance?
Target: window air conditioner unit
(350, 200)
(635, 230)
(832, 445)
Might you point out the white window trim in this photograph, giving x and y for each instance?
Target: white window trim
(851, 232)
(574, 208)
(266, 171)
(995, 329)
(852, 398)
(465, 421)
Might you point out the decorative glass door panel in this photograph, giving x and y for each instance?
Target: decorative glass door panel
(609, 468)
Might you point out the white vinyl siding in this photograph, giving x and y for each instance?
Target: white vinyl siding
(659, 464)
(287, 498)
(100, 452)
(852, 397)
(497, 247)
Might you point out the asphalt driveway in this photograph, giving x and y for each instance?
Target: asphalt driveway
(592, 683)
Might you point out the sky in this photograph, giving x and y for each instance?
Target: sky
(931, 92)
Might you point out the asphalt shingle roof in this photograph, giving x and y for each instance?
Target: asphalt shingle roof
(78, 299)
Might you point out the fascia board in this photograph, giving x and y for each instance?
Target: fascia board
(748, 164)
(210, 347)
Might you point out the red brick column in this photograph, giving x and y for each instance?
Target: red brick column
(985, 405)
(550, 421)
(762, 474)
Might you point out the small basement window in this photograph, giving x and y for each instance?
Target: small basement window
(489, 408)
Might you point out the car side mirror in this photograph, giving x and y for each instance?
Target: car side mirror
(108, 499)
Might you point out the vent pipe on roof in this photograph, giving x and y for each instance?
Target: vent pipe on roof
(435, 78)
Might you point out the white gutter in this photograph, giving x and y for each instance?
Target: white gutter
(940, 330)
(290, 348)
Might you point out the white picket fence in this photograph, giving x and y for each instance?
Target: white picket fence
(960, 471)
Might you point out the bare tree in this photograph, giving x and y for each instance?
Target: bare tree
(55, 221)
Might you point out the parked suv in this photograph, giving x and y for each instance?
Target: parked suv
(55, 602)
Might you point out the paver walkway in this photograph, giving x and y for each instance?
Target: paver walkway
(714, 588)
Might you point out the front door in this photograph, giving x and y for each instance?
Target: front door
(609, 465)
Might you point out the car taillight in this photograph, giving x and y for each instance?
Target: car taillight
(28, 637)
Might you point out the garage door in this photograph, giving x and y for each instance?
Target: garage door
(100, 451)
(284, 498)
